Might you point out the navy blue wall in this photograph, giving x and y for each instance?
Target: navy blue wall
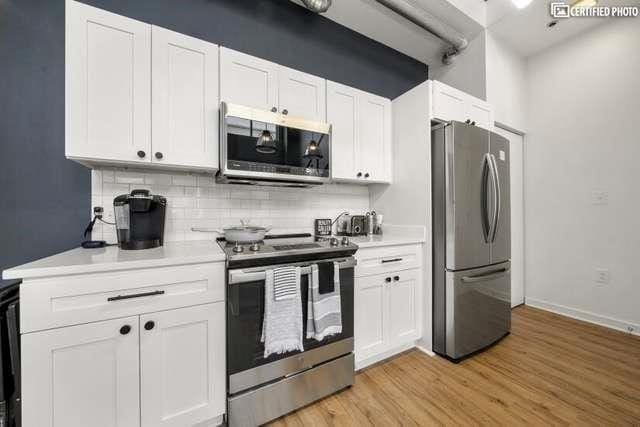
(44, 199)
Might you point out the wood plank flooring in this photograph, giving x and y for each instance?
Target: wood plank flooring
(551, 370)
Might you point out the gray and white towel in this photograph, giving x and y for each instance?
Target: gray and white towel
(324, 314)
(282, 323)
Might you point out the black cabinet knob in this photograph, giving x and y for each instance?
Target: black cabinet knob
(396, 278)
(359, 174)
(125, 329)
(149, 325)
(159, 155)
(285, 111)
(467, 121)
(141, 154)
(274, 109)
(366, 175)
(388, 280)
(473, 123)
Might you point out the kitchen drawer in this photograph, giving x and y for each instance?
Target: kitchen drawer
(387, 259)
(71, 300)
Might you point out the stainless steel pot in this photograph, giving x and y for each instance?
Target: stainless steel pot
(244, 233)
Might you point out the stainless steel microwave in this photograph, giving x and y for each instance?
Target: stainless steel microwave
(263, 148)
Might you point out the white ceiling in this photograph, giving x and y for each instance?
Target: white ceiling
(526, 30)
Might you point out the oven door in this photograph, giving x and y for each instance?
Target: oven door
(246, 365)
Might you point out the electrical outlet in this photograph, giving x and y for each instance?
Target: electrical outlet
(602, 275)
(599, 197)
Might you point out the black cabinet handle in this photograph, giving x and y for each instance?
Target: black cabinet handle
(359, 174)
(141, 154)
(274, 110)
(149, 325)
(388, 280)
(396, 278)
(473, 123)
(125, 329)
(159, 155)
(366, 175)
(384, 261)
(467, 121)
(144, 294)
(285, 111)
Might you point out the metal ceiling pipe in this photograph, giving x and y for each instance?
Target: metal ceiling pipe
(317, 6)
(431, 24)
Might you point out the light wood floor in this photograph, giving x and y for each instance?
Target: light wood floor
(551, 370)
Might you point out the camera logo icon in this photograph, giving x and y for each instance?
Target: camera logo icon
(560, 10)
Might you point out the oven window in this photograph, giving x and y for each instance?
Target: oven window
(269, 144)
(245, 311)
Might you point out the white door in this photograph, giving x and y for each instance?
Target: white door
(342, 107)
(108, 77)
(185, 100)
(302, 95)
(374, 138)
(247, 80)
(480, 112)
(449, 103)
(516, 147)
(370, 317)
(403, 300)
(82, 376)
(182, 366)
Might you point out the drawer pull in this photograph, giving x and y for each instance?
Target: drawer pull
(144, 294)
(384, 261)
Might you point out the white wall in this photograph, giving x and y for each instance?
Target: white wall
(506, 83)
(584, 104)
(196, 200)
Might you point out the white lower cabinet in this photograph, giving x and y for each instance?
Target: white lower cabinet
(153, 370)
(387, 313)
(182, 367)
(81, 376)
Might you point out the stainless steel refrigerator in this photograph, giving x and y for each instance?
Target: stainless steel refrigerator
(471, 239)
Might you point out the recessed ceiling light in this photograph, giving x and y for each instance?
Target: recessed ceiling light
(521, 4)
(584, 3)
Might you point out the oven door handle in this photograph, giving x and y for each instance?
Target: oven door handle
(258, 274)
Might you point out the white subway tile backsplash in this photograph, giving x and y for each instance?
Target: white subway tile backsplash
(198, 201)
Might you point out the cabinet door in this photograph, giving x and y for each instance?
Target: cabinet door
(374, 139)
(247, 80)
(82, 376)
(185, 100)
(403, 307)
(370, 314)
(480, 112)
(108, 75)
(302, 95)
(342, 106)
(449, 103)
(182, 366)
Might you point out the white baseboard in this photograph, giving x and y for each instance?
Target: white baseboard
(598, 319)
(425, 350)
(361, 364)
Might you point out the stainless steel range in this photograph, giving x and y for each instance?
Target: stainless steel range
(261, 389)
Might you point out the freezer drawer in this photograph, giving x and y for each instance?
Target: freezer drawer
(478, 308)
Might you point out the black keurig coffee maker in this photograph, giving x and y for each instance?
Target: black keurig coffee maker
(140, 220)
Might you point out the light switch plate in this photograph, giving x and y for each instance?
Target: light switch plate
(603, 275)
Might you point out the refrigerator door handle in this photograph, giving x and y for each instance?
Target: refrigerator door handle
(497, 202)
(486, 222)
(485, 276)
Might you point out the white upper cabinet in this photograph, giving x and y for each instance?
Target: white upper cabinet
(302, 95)
(185, 100)
(374, 142)
(247, 80)
(360, 135)
(452, 104)
(108, 78)
(79, 376)
(182, 366)
(258, 83)
(342, 108)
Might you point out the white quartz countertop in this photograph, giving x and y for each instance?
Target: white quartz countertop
(111, 258)
(393, 237)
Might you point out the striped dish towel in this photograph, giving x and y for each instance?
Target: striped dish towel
(286, 282)
(324, 313)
